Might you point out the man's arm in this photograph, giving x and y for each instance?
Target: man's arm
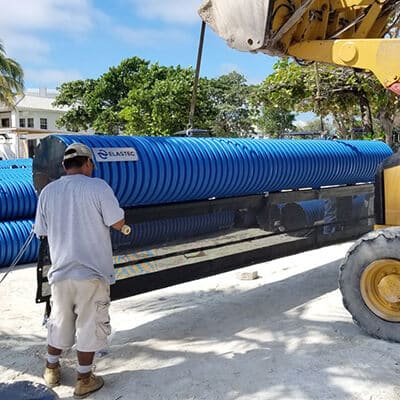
(40, 224)
(120, 226)
(111, 210)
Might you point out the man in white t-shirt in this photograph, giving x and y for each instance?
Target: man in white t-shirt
(76, 212)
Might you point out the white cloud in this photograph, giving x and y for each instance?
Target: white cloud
(229, 67)
(22, 23)
(22, 46)
(146, 37)
(28, 15)
(181, 11)
(51, 77)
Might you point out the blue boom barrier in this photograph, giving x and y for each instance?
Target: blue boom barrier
(18, 198)
(16, 163)
(170, 229)
(159, 170)
(13, 235)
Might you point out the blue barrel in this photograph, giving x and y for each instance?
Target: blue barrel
(16, 163)
(13, 235)
(178, 169)
(171, 229)
(18, 198)
(302, 214)
(313, 210)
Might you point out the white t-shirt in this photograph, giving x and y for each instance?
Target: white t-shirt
(75, 212)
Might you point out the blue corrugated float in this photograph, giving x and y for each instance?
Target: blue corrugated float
(313, 211)
(170, 169)
(17, 195)
(302, 214)
(17, 163)
(306, 213)
(170, 229)
(13, 235)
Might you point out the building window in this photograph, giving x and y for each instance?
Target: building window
(22, 123)
(30, 123)
(5, 122)
(43, 123)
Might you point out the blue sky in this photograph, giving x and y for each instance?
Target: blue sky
(61, 40)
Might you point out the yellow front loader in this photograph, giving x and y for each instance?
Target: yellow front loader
(354, 33)
(351, 33)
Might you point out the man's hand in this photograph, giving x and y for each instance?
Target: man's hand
(120, 226)
(126, 230)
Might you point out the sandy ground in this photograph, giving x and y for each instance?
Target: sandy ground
(283, 336)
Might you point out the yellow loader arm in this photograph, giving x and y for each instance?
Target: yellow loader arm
(342, 32)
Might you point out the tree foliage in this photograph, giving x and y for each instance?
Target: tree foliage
(11, 78)
(275, 121)
(352, 98)
(231, 111)
(142, 99)
(96, 103)
(158, 104)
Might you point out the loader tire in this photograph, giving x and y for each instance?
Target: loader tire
(370, 283)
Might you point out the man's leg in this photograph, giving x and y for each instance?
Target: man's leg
(85, 361)
(87, 382)
(53, 356)
(92, 326)
(52, 371)
(60, 330)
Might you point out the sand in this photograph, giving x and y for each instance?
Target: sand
(283, 336)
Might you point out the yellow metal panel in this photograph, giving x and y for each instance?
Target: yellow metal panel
(323, 26)
(391, 179)
(377, 55)
(301, 27)
(282, 11)
(348, 15)
(341, 4)
(333, 25)
(380, 26)
(377, 227)
(369, 21)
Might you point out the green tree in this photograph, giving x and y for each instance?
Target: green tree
(76, 96)
(231, 113)
(352, 98)
(142, 99)
(159, 103)
(97, 102)
(298, 89)
(385, 106)
(275, 120)
(11, 78)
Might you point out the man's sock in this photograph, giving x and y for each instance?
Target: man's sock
(52, 359)
(84, 369)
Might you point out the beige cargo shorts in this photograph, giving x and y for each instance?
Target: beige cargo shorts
(80, 314)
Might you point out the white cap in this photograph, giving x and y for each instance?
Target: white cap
(77, 150)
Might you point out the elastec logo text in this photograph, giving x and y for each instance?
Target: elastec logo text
(108, 154)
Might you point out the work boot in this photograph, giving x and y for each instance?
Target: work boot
(86, 386)
(52, 376)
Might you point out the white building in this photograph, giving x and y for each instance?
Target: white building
(32, 118)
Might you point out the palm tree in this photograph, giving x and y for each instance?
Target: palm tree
(11, 78)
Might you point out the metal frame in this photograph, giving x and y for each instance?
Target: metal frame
(200, 257)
